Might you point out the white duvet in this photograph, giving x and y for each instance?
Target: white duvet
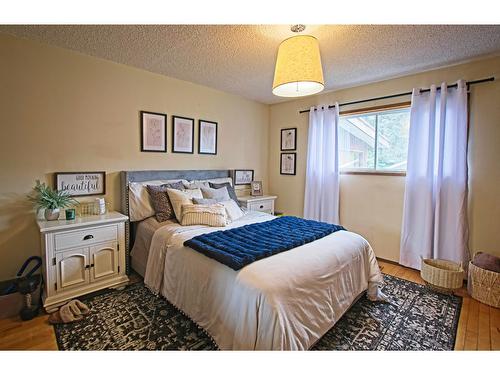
(283, 302)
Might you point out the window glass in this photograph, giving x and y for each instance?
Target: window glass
(392, 140)
(376, 141)
(357, 142)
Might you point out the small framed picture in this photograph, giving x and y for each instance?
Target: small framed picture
(243, 176)
(182, 135)
(153, 132)
(256, 188)
(207, 137)
(288, 163)
(80, 184)
(289, 139)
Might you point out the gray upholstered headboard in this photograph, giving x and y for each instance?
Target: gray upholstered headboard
(139, 176)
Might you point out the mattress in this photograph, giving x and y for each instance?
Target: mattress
(285, 302)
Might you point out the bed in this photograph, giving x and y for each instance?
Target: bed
(142, 242)
(284, 302)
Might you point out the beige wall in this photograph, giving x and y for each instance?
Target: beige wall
(64, 111)
(373, 205)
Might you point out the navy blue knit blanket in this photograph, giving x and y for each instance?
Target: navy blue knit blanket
(241, 246)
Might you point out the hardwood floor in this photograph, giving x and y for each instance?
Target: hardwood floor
(35, 334)
(478, 327)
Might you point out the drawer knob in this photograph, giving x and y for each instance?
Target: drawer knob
(88, 237)
(261, 206)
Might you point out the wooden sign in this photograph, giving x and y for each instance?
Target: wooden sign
(80, 184)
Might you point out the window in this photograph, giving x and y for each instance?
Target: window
(374, 141)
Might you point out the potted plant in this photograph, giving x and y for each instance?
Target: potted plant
(51, 200)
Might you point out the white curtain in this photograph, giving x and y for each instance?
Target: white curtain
(321, 201)
(435, 203)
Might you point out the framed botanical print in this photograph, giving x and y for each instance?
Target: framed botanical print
(153, 132)
(289, 139)
(182, 135)
(243, 176)
(207, 137)
(288, 163)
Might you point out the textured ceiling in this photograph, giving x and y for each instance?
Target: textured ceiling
(240, 58)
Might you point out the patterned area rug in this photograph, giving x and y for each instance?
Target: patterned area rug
(135, 319)
(416, 318)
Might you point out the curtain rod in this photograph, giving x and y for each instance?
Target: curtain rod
(489, 79)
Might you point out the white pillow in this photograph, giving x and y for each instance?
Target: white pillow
(139, 201)
(220, 195)
(178, 198)
(198, 214)
(233, 211)
(205, 183)
(196, 184)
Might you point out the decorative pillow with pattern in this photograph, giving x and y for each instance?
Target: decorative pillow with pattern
(199, 214)
(179, 198)
(230, 190)
(161, 202)
(140, 206)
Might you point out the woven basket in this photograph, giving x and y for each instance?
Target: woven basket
(484, 285)
(443, 275)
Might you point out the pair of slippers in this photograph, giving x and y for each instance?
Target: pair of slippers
(72, 311)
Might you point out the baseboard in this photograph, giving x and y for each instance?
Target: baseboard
(389, 261)
(400, 265)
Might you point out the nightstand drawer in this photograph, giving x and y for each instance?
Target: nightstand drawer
(264, 206)
(85, 237)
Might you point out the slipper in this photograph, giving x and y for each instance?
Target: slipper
(64, 315)
(55, 318)
(70, 312)
(82, 308)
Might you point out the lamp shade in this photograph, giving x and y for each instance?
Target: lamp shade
(298, 69)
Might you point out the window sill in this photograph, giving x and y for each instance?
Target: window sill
(374, 173)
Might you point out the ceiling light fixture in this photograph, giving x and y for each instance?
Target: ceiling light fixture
(298, 70)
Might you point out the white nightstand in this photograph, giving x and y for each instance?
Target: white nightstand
(263, 203)
(81, 256)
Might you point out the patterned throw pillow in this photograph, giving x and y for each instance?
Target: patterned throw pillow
(200, 214)
(178, 198)
(161, 202)
(230, 190)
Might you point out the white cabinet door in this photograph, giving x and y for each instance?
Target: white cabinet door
(72, 268)
(103, 261)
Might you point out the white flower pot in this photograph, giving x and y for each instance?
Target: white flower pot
(52, 214)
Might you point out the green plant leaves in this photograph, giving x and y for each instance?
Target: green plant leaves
(45, 197)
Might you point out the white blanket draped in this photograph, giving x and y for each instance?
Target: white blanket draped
(286, 301)
(435, 205)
